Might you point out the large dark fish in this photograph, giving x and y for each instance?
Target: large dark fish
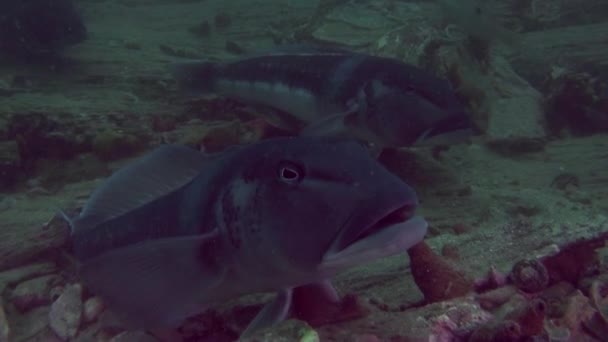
(177, 230)
(339, 93)
(35, 28)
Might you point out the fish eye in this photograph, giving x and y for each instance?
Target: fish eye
(290, 172)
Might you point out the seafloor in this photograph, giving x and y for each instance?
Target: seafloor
(530, 191)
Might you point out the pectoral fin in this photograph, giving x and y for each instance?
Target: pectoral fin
(157, 283)
(273, 313)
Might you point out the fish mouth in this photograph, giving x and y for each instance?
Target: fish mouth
(393, 217)
(392, 231)
(453, 129)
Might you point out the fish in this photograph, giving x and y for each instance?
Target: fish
(35, 29)
(338, 93)
(178, 230)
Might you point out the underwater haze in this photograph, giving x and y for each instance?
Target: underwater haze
(328, 170)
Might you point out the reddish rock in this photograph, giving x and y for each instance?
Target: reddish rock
(317, 311)
(437, 279)
(450, 251)
(494, 279)
(495, 298)
(33, 293)
(530, 315)
(574, 261)
(503, 331)
(231, 133)
(462, 228)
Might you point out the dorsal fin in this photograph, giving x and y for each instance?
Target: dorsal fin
(157, 173)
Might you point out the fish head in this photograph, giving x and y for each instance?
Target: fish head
(321, 205)
(422, 111)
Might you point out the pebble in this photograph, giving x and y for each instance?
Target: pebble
(33, 293)
(93, 307)
(20, 274)
(66, 312)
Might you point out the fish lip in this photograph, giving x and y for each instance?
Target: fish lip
(391, 216)
(366, 223)
(390, 240)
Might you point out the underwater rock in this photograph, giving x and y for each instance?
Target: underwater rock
(436, 278)
(577, 103)
(20, 244)
(574, 260)
(529, 314)
(212, 136)
(598, 297)
(111, 144)
(17, 275)
(340, 22)
(213, 326)
(516, 319)
(565, 181)
(39, 28)
(33, 293)
(495, 298)
(314, 309)
(546, 52)
(202, 29)
(453, 320)
(163, 123)
(40, 134)
(504, 105)
(493, 279)
(215, 108)
(218, 137)
(529, 276)
(59, 136)
(513, 147)
(190, 134)
(235, 48)
(93, 307)
(54, 174)
(66, 312)
(425, 173)
(502, 331)
(515, 107)
(577, 311)
(33, 326)
(222, 20)
(10, 164)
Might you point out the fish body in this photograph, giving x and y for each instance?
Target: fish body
(178, 230)
(338, 93)
(34, 28)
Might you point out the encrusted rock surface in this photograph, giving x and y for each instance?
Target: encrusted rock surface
(66, 312)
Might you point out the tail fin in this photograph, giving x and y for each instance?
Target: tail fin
(195, 76)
